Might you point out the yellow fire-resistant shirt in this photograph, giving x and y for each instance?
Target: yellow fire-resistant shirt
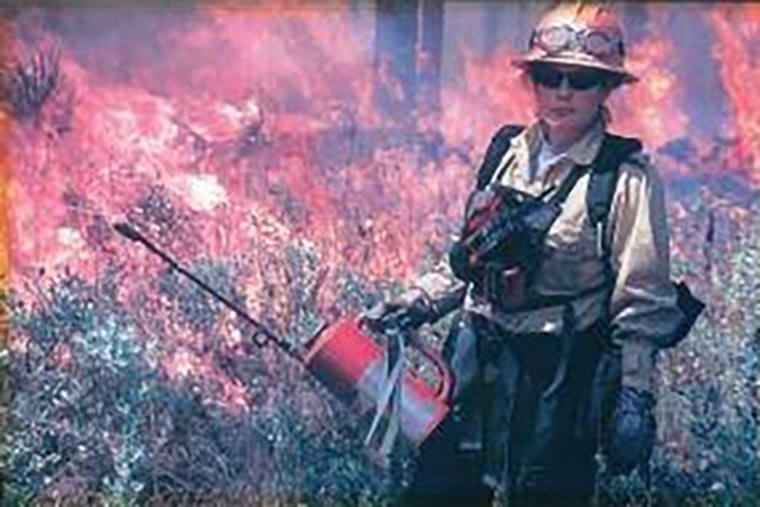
(643, 302)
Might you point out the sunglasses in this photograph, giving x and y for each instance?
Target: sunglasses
(551, 77)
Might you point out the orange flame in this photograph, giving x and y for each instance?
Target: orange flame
(737, 28)
(254, 125)
(653, 108)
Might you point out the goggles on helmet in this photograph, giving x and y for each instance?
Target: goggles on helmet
(595, 42)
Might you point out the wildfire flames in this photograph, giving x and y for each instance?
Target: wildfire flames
(229, 132)
(737, 53)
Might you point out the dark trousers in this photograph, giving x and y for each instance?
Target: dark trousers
(446, 475)
(551, 440)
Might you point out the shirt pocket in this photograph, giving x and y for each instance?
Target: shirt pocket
(571, 260)
(572, 236)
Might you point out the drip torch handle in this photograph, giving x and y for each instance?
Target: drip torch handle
(133, 234)
(446, 304)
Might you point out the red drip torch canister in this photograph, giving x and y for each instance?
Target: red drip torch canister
(344, 358)
(350, 364)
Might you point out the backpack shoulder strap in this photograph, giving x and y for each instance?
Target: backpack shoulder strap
(496, 149)
(604, 174)
(601, 189)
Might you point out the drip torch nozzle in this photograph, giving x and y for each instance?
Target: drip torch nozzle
(127, 231)
(132, 234)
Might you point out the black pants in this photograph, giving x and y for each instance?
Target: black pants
(551, 452)
(552, 441)
(446, 475)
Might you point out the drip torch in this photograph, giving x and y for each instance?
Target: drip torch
(351, 364)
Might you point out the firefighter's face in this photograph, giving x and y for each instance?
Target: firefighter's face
(568, 97)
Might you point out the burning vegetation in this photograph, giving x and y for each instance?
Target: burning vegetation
(306, 162)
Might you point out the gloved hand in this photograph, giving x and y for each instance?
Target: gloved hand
(633, 431)
(406, 312)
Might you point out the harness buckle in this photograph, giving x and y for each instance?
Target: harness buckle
(600, 239)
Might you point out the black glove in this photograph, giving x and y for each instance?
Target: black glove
(397, 314)
(633, 431)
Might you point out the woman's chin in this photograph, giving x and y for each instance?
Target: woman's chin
(565, 123)
(561, 124)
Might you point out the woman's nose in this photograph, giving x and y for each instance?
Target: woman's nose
(564, 90)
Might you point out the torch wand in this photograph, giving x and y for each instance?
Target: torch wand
(351, 365)
(132, 234)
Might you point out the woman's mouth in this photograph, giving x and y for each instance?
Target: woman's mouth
(561, 111)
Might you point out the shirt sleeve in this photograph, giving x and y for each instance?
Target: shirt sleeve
(643, 305)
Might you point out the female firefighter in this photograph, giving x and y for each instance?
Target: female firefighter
(554, 348)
